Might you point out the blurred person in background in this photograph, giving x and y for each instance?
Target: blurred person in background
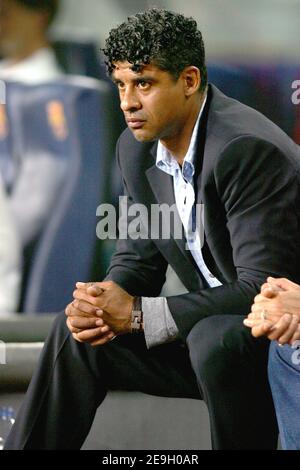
(29, 58)
(275, 313)
(24, 44)
(10, 259)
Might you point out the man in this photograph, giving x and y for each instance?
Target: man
(24, 43)
(29, 58)
(279, 301)
(187, 143)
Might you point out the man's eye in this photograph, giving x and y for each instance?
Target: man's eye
(143, 84)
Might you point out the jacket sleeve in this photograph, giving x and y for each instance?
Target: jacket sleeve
(259, 190)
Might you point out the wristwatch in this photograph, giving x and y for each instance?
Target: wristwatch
(137, 315)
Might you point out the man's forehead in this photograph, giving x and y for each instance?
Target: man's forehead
(124, 66)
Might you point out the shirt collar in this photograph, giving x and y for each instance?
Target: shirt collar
(168, 164)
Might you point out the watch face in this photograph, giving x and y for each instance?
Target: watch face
(137, 315)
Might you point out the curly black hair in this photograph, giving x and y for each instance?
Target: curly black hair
(168, 40)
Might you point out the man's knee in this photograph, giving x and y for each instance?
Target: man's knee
(59, 329)
(59, 322)
(216, 343)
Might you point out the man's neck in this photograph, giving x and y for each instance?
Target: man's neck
(178, 145)
(28, 49)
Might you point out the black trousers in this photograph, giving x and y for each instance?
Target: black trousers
(220, 363)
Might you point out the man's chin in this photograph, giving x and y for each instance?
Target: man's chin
(143, 136)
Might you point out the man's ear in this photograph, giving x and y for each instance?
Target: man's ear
(192, 80)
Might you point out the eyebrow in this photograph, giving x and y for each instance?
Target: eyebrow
(145, 78)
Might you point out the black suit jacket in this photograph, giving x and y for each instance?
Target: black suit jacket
(248, 180)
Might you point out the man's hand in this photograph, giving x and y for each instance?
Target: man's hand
(87, 328)
(107, 301)
(282, 284)
(276, 311)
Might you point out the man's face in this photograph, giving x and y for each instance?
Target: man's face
(17, 23)
(153, 103)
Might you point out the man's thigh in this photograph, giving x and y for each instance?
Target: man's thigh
(164, 370)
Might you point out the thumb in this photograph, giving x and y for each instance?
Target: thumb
(283, 283)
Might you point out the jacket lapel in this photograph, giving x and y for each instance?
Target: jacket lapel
(162, 186)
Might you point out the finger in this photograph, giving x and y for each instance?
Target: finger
(105, 328)
(67, 309)
(263, 329)
(251, 322)
(247, 323)
(94, 291)
(296, 336)
(259, 314)
(259, 298)
(91, 288)
(289, 333)
(256, 314)
(82, 295)
(77, 329)
(104, 340)
(269, 292)
(81, 338)
(75, 336)
(83, 323)
(283, 283)
(90, 335)
(281, 327)
(84, 307)
(84, 285)
(71, 311)
(71, 328)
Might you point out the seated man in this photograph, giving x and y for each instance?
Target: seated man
(189, 151)
(276, 314)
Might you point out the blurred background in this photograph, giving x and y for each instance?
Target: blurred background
(61, 120)
(235, 29)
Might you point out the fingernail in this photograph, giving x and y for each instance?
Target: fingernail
(99, 312)
(99, 322)
(80, 284)
(248, 322)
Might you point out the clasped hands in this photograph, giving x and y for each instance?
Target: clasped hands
(99, 312)
(275, 312)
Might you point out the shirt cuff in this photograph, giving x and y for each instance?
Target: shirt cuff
(159, 325)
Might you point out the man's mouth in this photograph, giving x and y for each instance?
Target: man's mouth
(135, 123)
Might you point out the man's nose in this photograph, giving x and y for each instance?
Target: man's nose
(129, 101)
